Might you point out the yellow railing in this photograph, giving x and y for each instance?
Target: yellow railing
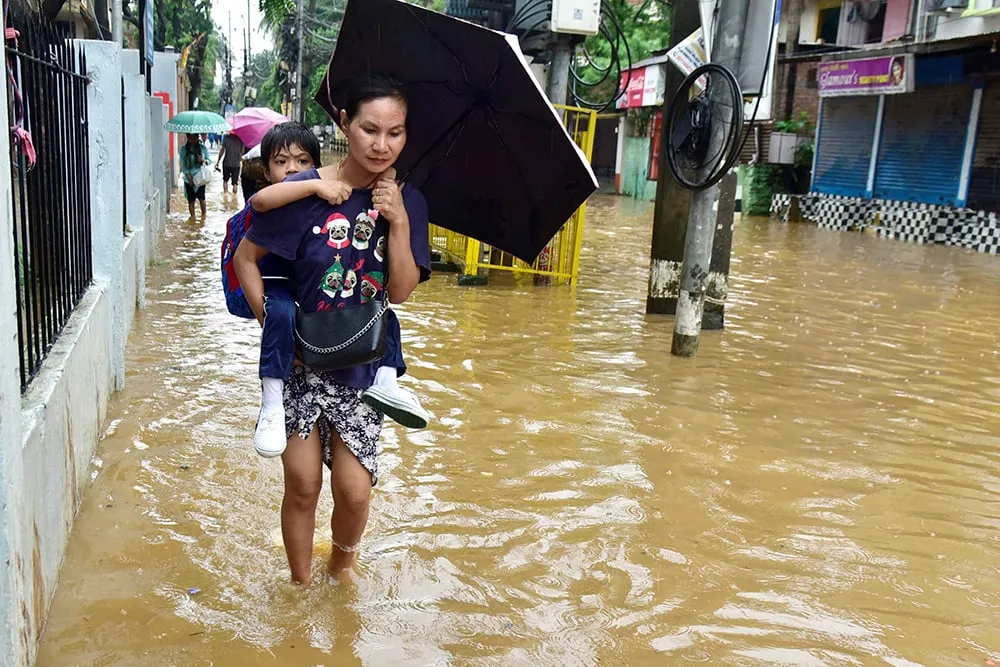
(559, 260)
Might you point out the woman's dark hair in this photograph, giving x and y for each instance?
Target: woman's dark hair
(286, 134)
(372, 87)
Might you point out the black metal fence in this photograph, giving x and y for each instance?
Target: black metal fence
(52, 241)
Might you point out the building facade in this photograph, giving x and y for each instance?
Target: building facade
(908, 119)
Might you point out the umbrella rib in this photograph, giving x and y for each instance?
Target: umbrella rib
(458, 61)
(460, 124)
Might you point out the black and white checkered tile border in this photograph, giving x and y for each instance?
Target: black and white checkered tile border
(904, 221)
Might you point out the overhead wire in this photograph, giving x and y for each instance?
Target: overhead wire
(615, 36)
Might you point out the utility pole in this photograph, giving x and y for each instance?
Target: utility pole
(246, 53)
(229, 64)
(248, 35)
(673, 203)
(562, 54)
(727, 49)
(300, 33)
(116, 22)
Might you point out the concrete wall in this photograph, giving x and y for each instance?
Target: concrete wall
(10, 405)
(806, 95)
(807, 28)
(164, 74)
(163, 78)
(48, 435)
(634, 180)
(953, 26)
(159, 165)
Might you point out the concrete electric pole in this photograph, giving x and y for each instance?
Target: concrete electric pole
(673, 202)
(298, 107)
(727, 50)
(116, 22)
(562, 53)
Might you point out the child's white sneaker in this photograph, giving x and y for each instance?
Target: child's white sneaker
(396, 403)
(269, 439)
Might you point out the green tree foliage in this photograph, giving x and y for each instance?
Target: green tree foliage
(321, 22)
(180, 24)
(645, 28)
(204, 79)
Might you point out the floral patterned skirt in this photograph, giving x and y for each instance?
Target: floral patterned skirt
(313, 399)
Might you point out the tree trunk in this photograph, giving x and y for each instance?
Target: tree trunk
(160, 22)
(196, 59)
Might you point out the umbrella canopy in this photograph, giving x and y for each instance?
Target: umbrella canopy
(483, 143)
(252, 123)
(196, 122)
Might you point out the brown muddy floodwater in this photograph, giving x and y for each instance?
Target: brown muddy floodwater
(820, 486)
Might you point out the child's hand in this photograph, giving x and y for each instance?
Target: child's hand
(335, 192)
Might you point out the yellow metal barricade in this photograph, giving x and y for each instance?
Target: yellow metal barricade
(560, 259)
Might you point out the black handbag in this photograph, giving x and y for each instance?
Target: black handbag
(339, 338)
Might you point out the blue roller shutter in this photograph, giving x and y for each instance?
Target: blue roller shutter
(923, 140)
(846, 130)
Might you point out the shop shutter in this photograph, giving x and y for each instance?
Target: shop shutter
(847, 127)
(923, 141)
(984, 184)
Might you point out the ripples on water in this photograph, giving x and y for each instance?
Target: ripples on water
(818, 486)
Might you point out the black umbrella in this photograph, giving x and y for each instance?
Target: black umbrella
(484, 145)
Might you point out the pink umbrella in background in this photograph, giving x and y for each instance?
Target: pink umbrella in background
(252, 123)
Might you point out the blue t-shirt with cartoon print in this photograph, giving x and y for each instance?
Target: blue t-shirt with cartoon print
(337, 253)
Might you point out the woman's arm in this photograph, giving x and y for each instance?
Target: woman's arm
(404, 274)
(245, 263)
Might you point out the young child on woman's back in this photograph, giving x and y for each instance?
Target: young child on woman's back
(287, 149)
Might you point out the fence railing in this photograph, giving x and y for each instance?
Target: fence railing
(52, 233)
(559, 260)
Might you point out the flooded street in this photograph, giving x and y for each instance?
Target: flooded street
(819, 486)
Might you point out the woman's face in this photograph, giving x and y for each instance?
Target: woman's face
(897, 72)
(377, 133)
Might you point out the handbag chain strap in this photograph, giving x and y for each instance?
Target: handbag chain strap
(350, 341)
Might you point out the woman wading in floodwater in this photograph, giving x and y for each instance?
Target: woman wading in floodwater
(385, 253)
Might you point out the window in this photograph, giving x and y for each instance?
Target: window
(875, 26)
(811, 81)
(827, 25)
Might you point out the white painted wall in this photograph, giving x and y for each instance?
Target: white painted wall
(164, 74)
(104, 94)
(163, 77)
(160, 163)
(48, 435)
(807, 29)
(136, 157)
(11, 640)
(951, 25)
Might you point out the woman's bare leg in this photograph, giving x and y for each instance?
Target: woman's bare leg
(303, 464)
(352, 489)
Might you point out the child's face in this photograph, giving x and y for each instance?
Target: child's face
(291, 159)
